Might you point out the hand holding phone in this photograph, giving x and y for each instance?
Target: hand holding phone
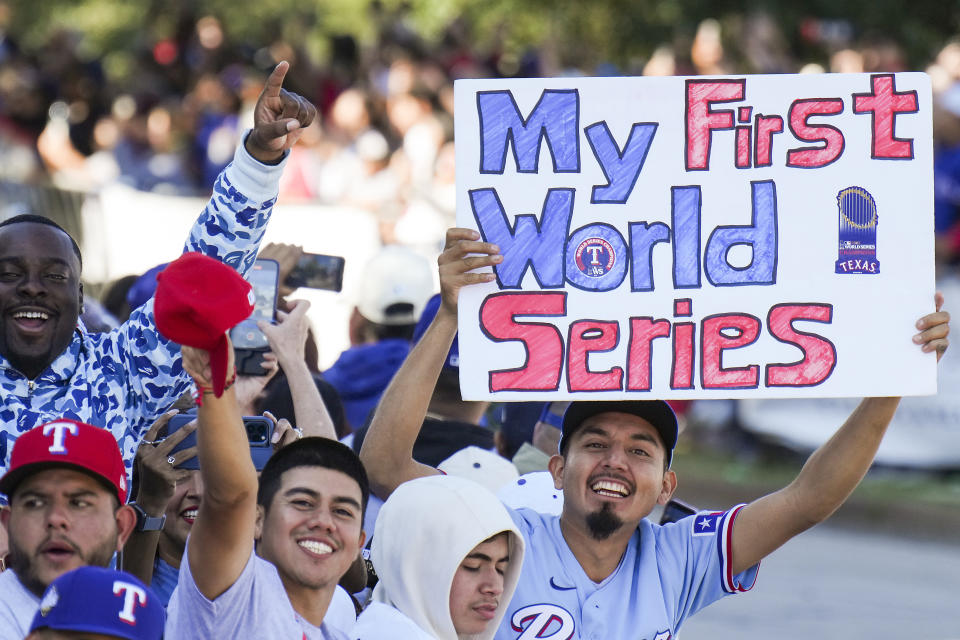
(259, 433)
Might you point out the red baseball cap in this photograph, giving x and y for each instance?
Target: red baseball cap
(66, 443)
(198, 300)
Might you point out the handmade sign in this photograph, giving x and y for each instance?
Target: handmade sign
(697, 237)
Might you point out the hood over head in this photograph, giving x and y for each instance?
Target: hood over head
(423, 532)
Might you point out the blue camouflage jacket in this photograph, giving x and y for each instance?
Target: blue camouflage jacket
(123, 380)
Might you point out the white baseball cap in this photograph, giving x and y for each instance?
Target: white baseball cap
(396, 285)
(534, 490)
(480, 465)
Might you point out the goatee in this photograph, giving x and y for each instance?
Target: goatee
(604, 522)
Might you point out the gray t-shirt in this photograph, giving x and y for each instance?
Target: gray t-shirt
(17, 607)
(256, 606)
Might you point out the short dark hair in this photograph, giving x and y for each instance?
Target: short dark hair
(392, 331)
(312, 452)
(32, 217)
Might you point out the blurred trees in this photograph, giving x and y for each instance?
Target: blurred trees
(622, 33)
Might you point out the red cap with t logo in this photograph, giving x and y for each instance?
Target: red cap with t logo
(66, 443)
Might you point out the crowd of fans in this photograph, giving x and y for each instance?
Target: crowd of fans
(373, 502)
(384, 141)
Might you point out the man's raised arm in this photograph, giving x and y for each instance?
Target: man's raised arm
(387, 451)
(232, 225)
(229, 229)
(221, 538)
(831, 473)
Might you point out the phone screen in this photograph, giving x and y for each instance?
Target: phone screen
(263, 277)
(317, 271)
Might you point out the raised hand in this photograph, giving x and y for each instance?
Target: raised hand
(158, 475)
(934, 328)
(279, 118)
(463, 253)
(196, 362)
(288, 336)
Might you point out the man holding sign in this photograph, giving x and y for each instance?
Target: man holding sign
(600, 569)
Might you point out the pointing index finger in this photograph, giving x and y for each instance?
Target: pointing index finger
(275, 81)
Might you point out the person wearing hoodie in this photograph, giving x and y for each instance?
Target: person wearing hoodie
(396, 285)
(456, 580)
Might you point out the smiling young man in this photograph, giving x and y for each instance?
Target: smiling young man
(601, 569)
(305, 513)
(67, 486)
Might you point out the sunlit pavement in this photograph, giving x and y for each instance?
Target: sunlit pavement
(831, 584)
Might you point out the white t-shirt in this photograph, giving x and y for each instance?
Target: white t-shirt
(17, 607)
(341, 614)
(256, 606)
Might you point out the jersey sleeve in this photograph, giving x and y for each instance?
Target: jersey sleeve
(694, 555)
(230, 229)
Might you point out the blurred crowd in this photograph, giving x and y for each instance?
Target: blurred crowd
(384, 141)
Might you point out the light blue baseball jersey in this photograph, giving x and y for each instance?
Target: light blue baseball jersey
(667, 573)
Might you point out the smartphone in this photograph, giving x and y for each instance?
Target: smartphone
(259, 432)
(249, 342)
(676, 510)
(317, 271)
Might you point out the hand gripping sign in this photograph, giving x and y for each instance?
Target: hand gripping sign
(697, 237)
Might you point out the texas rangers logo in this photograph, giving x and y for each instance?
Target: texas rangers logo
(595, 257)
(543, 622)
(858, 232)
(59, 431)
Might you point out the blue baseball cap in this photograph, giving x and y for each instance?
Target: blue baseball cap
(144, 287)
(657, 412)
(98, 600)
(517, 420)
(429, 313)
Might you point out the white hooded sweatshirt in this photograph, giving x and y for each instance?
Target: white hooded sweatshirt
(423, 533)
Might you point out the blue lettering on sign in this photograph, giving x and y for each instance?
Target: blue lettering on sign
(555, 119)
(760, 235)
(620, 168)
(685, 217)
(527, 242)
(643, 237)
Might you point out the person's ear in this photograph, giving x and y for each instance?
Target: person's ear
(126, 519)
(81, 298)
(258, 525)
(668, 486)
(555, 466)
(363, 538)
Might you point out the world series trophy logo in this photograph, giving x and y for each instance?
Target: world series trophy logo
(858, 232)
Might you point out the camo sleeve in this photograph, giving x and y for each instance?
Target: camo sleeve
(230, 229)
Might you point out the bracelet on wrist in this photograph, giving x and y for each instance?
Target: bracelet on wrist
(203, 391)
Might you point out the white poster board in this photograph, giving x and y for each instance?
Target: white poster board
(735, 237)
